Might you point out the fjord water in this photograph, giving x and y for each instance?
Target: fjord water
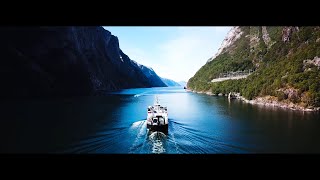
(116, 123)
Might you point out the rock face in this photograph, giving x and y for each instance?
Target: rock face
(65, 61)
(265, 35)
(170, 82)
(287, 32)
(234, 34)
(152, 76)
(315, 61)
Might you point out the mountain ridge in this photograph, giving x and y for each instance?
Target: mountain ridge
(170, 82)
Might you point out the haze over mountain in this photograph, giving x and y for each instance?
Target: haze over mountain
(183, 83)
(170, 82)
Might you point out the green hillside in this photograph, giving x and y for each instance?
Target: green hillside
(286, 65)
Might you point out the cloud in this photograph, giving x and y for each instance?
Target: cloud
(176, 53)
(182, 56)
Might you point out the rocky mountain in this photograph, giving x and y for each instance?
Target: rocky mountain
(170, 82)
(285, 59)
(228, 42)
(65, 61)
(153, 78)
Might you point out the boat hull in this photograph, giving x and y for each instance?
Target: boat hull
(161, 128)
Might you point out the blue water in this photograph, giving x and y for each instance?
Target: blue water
(116, 124)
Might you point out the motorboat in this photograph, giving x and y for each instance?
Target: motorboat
(157, 118)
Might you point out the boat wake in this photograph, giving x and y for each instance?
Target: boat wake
(140, 126)
(172, 138)
(154, 142)
(147, 141)
(100, 142)
(158, 141)
(141, 94)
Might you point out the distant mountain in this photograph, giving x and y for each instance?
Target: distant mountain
(66, 61)
(170, 82)
(183, 83)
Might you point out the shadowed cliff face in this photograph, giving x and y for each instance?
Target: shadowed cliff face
(65, 61)
(152, 76)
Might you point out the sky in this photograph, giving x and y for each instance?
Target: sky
(174, 52)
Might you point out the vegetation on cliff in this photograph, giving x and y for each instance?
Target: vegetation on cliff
(287, 65)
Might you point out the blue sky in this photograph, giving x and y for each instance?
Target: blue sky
(173, 52)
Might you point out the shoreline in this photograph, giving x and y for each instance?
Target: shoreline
(265, 101)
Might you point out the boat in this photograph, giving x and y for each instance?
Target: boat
(157, 118)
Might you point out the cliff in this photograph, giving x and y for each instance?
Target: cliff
(285, 60)
(153, 78)
(65, 61)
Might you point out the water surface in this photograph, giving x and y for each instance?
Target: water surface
(116, 124)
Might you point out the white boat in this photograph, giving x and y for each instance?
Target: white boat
(157, 119)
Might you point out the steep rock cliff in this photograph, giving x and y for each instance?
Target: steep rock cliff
(65, 61)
